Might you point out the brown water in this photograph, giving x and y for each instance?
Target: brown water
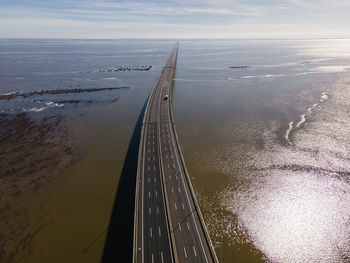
(270, 162)
(272, 187)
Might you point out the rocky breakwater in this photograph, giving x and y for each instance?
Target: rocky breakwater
(34, 150)
(123, 68)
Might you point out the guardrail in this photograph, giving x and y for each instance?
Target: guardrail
(139, 181)
(193, 195)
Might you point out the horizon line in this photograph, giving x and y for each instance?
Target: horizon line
(165, 38)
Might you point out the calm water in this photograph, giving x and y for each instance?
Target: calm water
(265, 142)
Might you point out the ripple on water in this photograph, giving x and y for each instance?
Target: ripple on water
(296, 216)
(294, 202)
(324, 97)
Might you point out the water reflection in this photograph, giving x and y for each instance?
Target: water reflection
(238, 104)
(295, 202)
(270, 149)
(297, 217)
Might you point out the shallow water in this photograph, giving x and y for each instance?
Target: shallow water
(267, 146)
(265, 142)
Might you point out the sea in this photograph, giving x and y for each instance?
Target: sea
(263, 124)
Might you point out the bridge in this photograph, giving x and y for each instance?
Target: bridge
(168, 225)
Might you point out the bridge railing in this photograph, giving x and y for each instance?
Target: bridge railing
(188, 181)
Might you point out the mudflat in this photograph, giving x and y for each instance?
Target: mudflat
(32, 152)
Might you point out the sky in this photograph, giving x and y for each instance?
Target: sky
(175, 19)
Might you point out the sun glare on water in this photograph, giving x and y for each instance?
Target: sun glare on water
(299, 218)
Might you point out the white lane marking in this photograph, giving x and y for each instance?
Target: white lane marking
(170, 177)
(149, 194)
(149, 168)
(166, 156)
(183, 207)
(168, 165)
(160, 233)
(149, 179)
(155, 179)
(148, 159)
(188, 226)
(184, 251)
(195, 224)
(152, 258)
(175, 206)
(149, 150)
(157, 210)
(179, 189)
(161, 256)
(165, 148)
(194, 250)
(153, 142)
(154, 150)
(154, 158)
(172, 189)
(154, 168)
(150, 231)
(180, 226)
(173, 165)
(156, 193)
(150, 210)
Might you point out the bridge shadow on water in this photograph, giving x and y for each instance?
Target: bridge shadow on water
(119, 241)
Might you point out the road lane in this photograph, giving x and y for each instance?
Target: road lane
(176, 233)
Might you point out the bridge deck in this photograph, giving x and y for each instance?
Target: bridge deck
(168, 223)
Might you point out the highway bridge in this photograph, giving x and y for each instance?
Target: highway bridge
(168, 225)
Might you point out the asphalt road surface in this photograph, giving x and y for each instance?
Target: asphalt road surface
(168, 223)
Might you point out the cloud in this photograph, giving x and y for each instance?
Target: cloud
(177, 18)
(190, 7)
(223, 11)
(321, 4)
(68, 28)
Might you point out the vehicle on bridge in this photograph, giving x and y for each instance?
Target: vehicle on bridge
(168, 225)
